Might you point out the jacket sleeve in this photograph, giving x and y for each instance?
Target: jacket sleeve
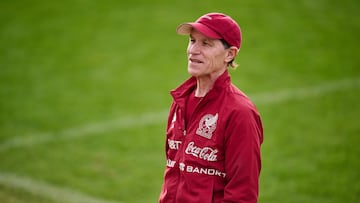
(243, 138)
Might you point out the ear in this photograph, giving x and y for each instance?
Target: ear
(231, 53)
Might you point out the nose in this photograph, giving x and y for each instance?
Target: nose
(193, 48)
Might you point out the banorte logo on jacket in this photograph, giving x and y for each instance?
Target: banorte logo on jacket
(207, 125)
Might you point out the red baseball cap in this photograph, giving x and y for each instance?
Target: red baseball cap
(215, 26)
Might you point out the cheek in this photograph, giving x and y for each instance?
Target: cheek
(216, 60)
(188, 49)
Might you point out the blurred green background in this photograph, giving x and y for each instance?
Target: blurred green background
(84, 91)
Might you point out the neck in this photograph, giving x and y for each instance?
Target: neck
(203, 87)
(205, 84)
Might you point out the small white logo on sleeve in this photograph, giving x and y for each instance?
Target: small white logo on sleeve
(207, 125)
(173, 121)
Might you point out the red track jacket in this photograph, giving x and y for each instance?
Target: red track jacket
(215, 156)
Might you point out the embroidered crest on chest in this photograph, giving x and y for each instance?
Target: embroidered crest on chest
(207, 125)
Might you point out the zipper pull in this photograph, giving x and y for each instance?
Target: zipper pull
(184, 132)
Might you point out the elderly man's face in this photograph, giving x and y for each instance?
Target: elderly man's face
(206, 57)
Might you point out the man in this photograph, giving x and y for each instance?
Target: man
(214, 132)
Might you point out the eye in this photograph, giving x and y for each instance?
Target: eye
(192, 41)
(206, 43)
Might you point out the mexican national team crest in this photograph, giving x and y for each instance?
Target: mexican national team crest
(207, 125)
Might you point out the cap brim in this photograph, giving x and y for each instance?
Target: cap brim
(186, 28)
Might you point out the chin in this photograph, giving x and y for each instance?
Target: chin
(193, 71)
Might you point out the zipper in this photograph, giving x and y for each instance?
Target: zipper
(196, 108)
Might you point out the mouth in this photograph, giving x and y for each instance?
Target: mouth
(193, 60)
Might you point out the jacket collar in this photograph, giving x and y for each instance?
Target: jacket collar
(184, 90)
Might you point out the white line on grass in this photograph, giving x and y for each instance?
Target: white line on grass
(160, 116)
(306, 92)
(42, 189)
(86, 130)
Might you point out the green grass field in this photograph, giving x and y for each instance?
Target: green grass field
(84, 91)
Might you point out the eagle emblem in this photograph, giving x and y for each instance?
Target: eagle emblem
(207, 125)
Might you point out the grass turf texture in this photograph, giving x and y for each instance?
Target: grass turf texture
(65, 64)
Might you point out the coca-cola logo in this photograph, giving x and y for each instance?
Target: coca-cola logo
(205, 153)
